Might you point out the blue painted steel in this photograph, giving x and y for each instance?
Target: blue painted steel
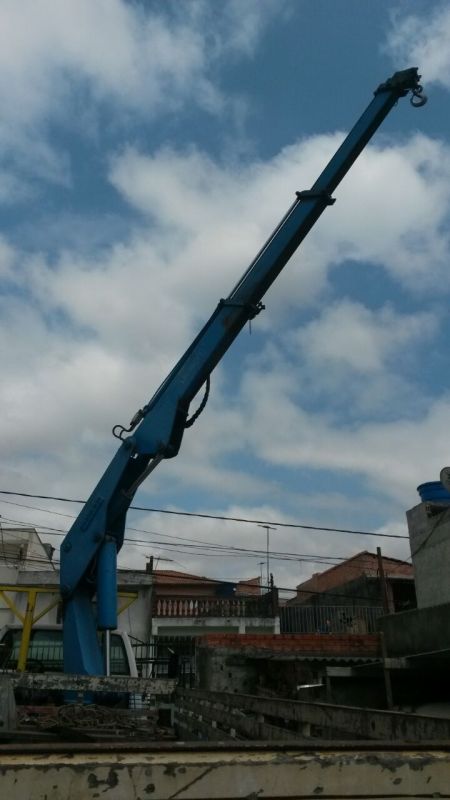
(161, 424)
(107, 586)
(82, 652)
(433, 491)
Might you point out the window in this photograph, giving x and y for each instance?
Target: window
(45, 652)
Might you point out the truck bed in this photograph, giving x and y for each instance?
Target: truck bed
(224, 770)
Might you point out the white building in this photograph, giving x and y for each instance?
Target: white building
(29, 584)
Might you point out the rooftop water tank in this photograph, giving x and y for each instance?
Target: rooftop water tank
(433, 492)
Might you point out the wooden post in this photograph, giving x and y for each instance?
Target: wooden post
(384, 593)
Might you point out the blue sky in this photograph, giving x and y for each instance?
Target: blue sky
(147, 150)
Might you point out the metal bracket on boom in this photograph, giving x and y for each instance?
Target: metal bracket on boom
(253, 309)
(310, 194)
(119, 430)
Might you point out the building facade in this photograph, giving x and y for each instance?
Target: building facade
(357, 580)
(189, 605)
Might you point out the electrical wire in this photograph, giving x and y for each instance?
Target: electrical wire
(217, 517)
(142, 530)
(204, 548)
(200, 579)
(195, 578)
(201, 545)
(201, 551)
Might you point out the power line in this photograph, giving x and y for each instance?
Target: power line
(201, 546)
(193, 578)
(181, 539)
(201, 550)
(200, 579)
(223, 518)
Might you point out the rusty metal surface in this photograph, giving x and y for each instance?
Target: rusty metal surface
(226, 774)
(364, 723)
(90, 718)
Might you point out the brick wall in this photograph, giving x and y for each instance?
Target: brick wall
(362, 564)
(339, 645)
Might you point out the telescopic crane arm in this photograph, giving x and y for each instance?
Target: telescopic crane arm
(89, 551)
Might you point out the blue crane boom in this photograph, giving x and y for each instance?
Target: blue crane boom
(89, 550)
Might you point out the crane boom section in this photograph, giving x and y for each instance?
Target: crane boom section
(90, 548)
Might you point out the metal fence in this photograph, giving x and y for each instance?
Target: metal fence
(329, 619)
(161, 657)
(166, 657)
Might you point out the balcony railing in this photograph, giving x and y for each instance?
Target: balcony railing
(329, 619)
(194, 607)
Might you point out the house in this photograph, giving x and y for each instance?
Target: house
(357, 582)
(188, 605)
(22, 549)
(29, 586)
(420, 637)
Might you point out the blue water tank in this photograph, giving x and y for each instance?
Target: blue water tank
(433, 491)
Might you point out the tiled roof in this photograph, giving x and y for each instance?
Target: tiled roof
(171, 576)
(363, 563)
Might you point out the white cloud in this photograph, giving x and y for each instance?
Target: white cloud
(229, 211)
(7, 259)
(392, 457)
(135, 307)
(391, 211)
(61, 63)
(135, 58)
(92, 336)
(423, 40)
(89, 332)
(350, 335)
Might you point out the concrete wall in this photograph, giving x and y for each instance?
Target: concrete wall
(423, 630)
(233, 663)
(233, 771)
(197, 626)
(430, 550)
(216, 672)
(22, 547)
(136, 620)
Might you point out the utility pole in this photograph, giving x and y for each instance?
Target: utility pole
(383, 583)
(261, 564)
(385, 599)
(267, 529)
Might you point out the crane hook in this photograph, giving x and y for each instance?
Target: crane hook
(417, 98)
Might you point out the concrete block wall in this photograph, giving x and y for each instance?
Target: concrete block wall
(218, 670)
(234, 662)
(420, 630)
(429, 535)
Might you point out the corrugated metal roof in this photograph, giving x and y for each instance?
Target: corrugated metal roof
(267, 655)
